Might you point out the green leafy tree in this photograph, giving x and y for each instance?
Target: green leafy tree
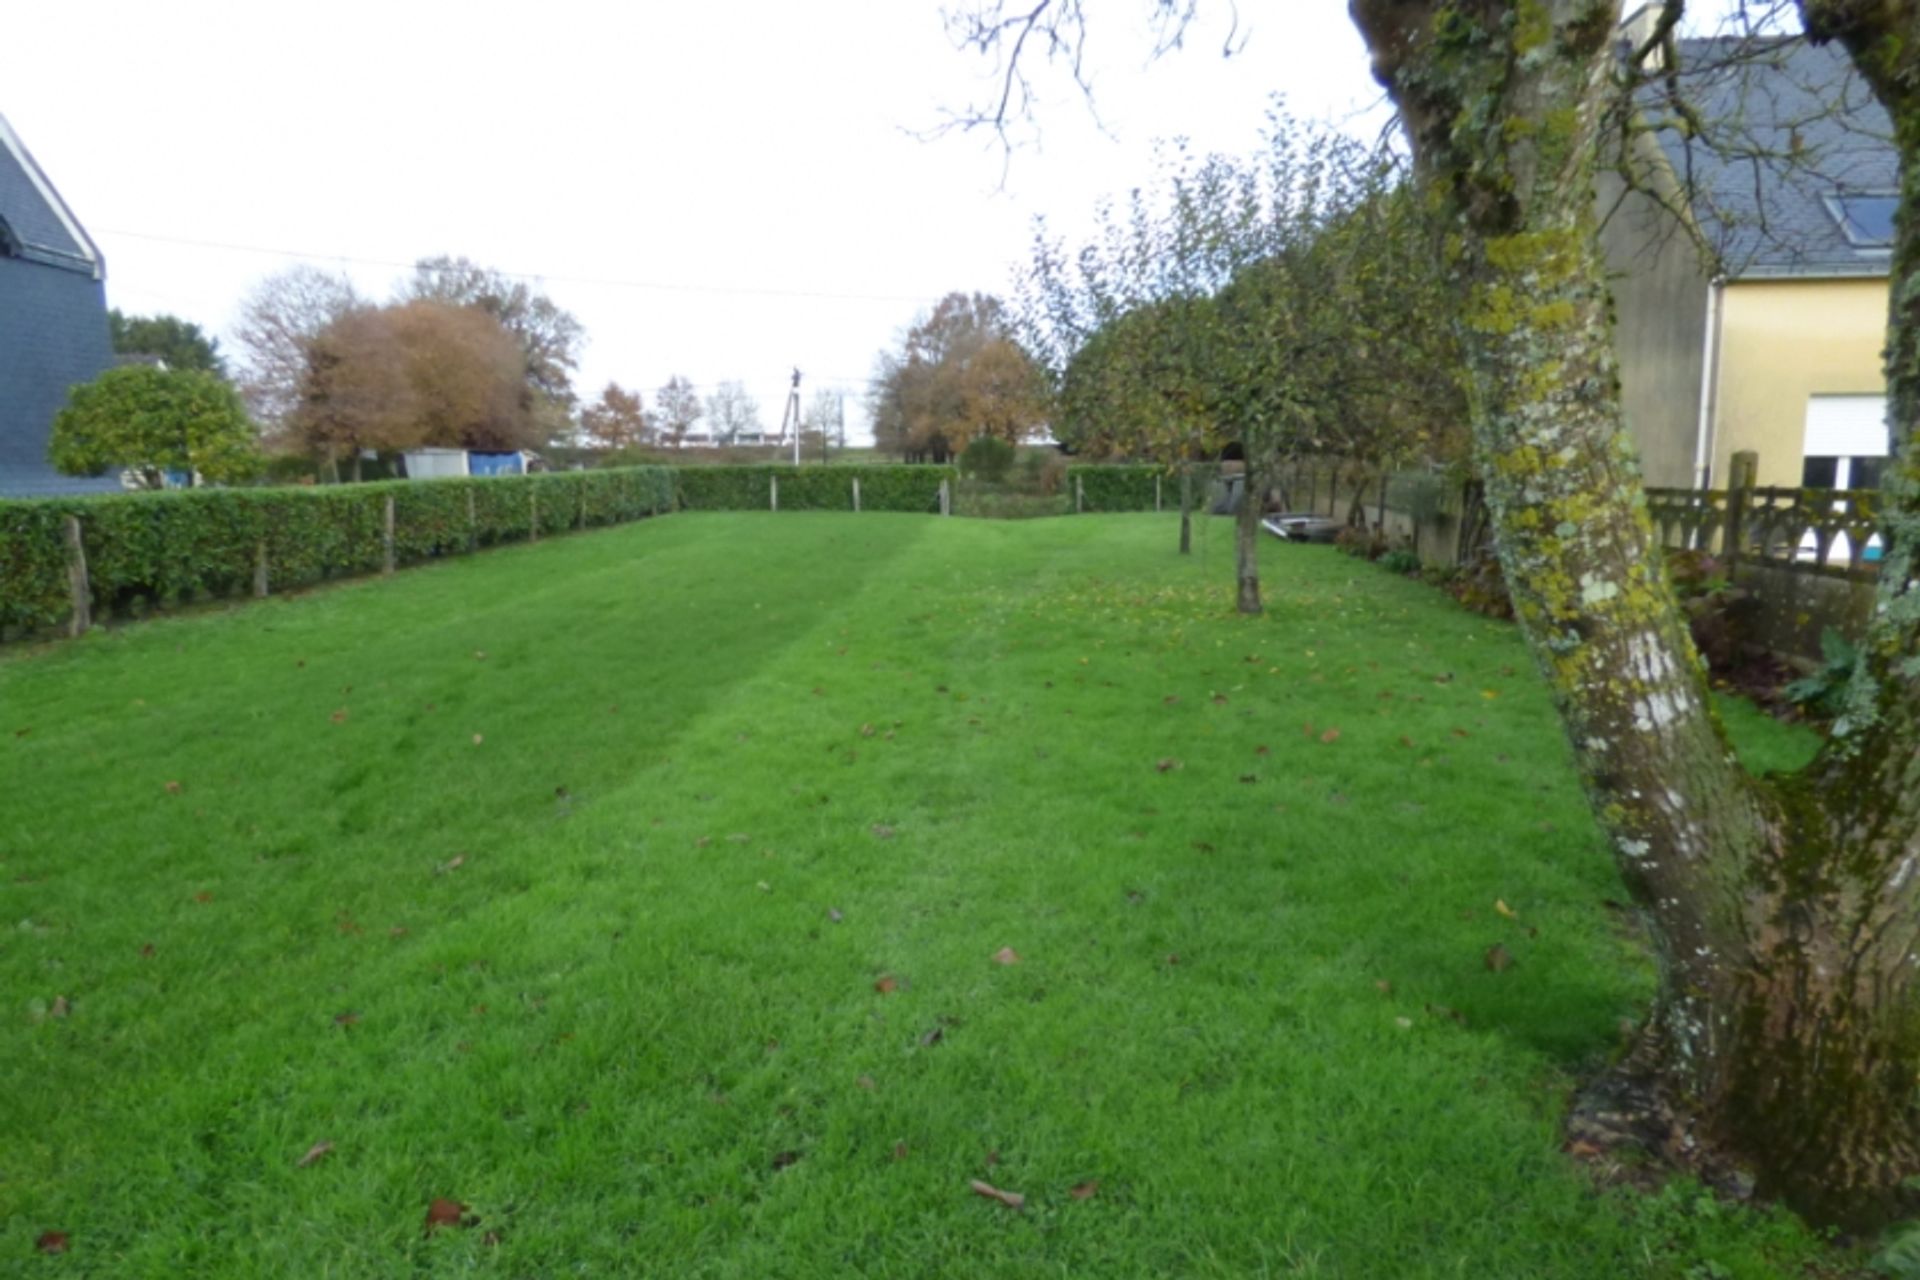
(149, 421)
(958, 373)
(178, 342)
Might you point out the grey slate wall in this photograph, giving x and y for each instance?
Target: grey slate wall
(53, 334)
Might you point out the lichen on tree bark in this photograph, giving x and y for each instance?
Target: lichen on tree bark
(1782, 911)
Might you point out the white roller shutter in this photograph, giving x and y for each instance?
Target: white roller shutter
(1846, 427)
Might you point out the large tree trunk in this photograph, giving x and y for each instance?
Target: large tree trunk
(1246, 547)
(1782, 913)
(1186, 508)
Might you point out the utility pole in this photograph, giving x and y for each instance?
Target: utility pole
(792, 414)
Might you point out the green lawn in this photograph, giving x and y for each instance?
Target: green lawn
(642, 891)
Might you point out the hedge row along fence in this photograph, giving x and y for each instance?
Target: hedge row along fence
(66, 559)
(70, 560)
(1123, 488)
(884, 488)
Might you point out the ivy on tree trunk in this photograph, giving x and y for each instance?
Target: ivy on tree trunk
(1782, 910)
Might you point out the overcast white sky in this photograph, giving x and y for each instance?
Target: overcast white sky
(721, 190)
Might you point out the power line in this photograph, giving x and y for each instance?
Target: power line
(659, 286)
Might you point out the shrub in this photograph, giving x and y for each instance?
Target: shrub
(1719, 614)
(1357, 540)
(1115, 487)
(1481, 586)
(988, 457)
(1402, 560)
(1820, 693)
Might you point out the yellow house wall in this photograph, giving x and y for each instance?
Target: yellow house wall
(1781, 342)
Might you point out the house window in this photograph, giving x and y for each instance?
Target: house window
(1845, 448)
(1867, 219)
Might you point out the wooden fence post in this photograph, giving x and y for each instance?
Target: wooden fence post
(1079, 497)
(1740, 482)
(583, 506)
(1156, 491)
(1380, 513)
(946, 499)
(533, 514)
(856, 495)
(260, 569)
(473, 524)
(82, 616)
(773, 493)
(386, 537)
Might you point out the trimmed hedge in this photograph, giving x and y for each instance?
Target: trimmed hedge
(882, 488)
(1107, 487)
(168, 547)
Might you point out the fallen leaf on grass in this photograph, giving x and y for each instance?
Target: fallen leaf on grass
(1006, 955)
(866, 731)
(203, 896)
(887, 985)
(881, 831)
(1405, 1024)
(146, 951)
(1499, 960)
(59, 1008)
(899, 1151)
(1500, 906)
(398, 931)
(1085, 1190)
(446, 1213)
(833, 914)
(1249, 777)
(931, 1038)
(315, 1153)
(1442, 1011)
(1202, 846)
(1385, 988)
(1262, 751)
(454, 863)
(1170, 699)
(346, 1019)
(1581, 1149)
(1011, 1199)
(866, 1082)
(1166, 764)
(173, 788)
(339, 717)
(479, 738)
(52, 1242)
(1331, 735)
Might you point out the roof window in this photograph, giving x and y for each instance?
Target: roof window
(1866, 219)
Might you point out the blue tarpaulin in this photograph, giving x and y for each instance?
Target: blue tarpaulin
(496, 464)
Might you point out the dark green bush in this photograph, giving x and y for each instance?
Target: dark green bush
(811, 488)
(1401, 560)
(1109, 487)
(988, 457)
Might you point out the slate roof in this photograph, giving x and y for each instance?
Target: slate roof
(1789, 126)
(39, 219)
(53, 324)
